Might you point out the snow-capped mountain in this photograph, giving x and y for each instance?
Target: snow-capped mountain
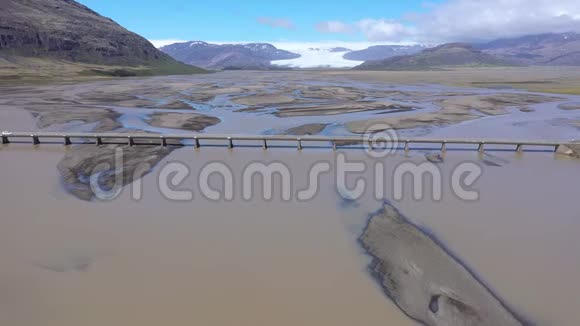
(328, 54)
(232, 56)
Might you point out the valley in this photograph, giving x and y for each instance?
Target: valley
(440, 192)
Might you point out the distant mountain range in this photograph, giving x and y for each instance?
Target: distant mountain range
(68, 31)
(227, 56)
(452, 54)
(546, 49)
(67, 36)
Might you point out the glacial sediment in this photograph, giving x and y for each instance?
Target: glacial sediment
(423, 279)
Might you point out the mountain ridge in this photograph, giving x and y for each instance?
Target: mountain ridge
(451, 54)
(539, 49)
(227, 56)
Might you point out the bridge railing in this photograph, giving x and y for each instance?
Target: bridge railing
(197, 140)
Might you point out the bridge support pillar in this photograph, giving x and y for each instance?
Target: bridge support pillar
(334, 146)
(443, 147)
(35, 140)
(299, 144)
(99, 141)
(163, 142)
(481, 147)
(67, 141)
(5, 139)
(407, 146)
(131, 141)
(230, 143)
(519, 148)
(196, 142)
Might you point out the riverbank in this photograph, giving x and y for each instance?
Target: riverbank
(21, 70)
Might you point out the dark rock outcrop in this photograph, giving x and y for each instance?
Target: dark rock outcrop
(67, 30)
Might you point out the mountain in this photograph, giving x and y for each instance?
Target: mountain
(227, 56)
(545, 49)
(339, 49)
(452, 54)
(67, 31)
(380, 52)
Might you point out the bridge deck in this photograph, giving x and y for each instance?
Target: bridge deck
(264, 140)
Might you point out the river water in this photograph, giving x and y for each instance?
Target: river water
(275, 262)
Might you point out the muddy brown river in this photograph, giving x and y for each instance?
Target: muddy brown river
(69, 260)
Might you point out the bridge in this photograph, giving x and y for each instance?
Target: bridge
(199, 140)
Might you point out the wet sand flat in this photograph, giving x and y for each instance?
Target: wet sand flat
(558, 80)
(262, 102)
(455, 110)
(183, 121)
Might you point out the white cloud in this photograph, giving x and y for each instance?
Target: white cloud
(334, 27)
(384, 30)
(161, 43)
(455, 20)
(276, 22)
(469, 20)
(474, 20)
(373, 29)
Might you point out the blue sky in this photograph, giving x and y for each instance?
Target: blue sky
(371, 21)
(227, 20)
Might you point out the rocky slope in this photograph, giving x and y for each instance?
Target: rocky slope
(227, 56)
(66, 30)
(453, 54)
